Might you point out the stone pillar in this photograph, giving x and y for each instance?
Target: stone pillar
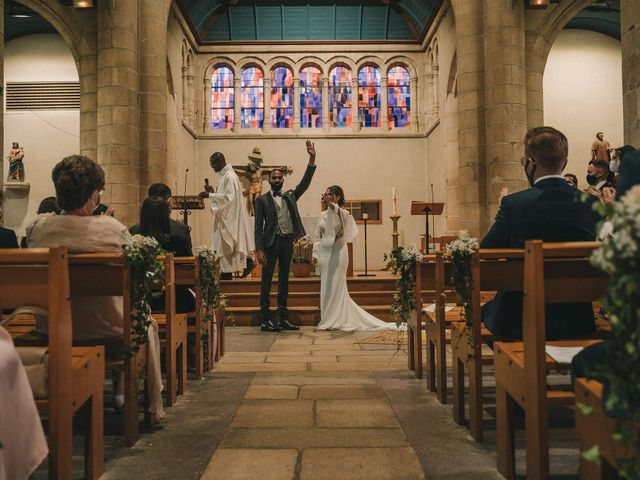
(506, 98)
(472, 184)
(267, 105)
(630, 28)
(191, 95)
(355, 113)
(236, 103)
(2, 174)
(152, 25)
(384, 104)
(413, 104)
(296, 104)
(435, 92)
(185, 91)
(88, 77)
(206, 124)
(118, 111)
(429, 114)
(326, 104)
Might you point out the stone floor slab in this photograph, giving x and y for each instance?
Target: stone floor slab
(317, 392)
(227, 359)
(312, 378)
(359, 366)
(260, 367)
(355, 413)
(360, 463)
(302, 359)
(285, 392)
(243, 464)
(312, 348)
(274, 414)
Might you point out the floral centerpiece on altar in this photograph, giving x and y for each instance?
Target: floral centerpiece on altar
(302, 258)
(619, 256)
(459, 253)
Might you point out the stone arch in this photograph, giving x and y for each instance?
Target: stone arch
(310, 61)
(341, 60)
(249, 62)
(215, 62)
(280, 61)
(402, 61)
(370, 60)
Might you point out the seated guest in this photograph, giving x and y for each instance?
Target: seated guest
(550, 211)
(8, 238)
(571, 179)
(598, 177)
(49, 205)
(154, 222)
(79, 183)
(177, 228)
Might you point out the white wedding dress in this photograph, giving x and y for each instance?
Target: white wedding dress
(338, 311)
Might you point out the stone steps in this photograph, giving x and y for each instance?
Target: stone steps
(308, 299)
(301, 315)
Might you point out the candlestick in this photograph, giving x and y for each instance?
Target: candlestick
(395, 234)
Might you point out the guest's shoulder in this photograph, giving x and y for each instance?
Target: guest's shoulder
(521, 196)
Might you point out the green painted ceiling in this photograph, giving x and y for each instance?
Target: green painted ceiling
(602, 17)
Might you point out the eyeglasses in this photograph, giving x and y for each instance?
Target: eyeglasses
(523, 161)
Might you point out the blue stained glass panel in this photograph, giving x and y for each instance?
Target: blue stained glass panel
(252, 98)
(399, 97)
(310, 98)
(222, 98)
(369, 96)
(281, 97)
(340, 96)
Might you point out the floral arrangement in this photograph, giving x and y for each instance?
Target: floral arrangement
(403, 261)
(619, 256)
(459, 253)
(141, 256)
(303, 250)
(211, 294)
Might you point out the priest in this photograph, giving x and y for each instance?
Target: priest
(232, 236)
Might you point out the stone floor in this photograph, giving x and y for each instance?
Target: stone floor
(315, 405)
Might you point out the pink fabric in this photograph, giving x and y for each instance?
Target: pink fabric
(23, 445)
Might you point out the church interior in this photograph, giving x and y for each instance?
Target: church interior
(418, 110)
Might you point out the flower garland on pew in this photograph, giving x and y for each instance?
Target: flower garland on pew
(212, 296)
(619, 256)
(459, 253)
(141, 257)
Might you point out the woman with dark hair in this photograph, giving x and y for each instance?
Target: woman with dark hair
(49, 205)
(154, 222)
(336, 229)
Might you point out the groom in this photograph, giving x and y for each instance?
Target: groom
(277, 226)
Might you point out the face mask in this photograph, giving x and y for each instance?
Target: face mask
(530, 177)
(592, 180)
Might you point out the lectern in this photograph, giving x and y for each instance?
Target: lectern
(185, 203)
(426, 209)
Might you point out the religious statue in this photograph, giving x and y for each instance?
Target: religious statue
(16, 167)
(601, 149)
(253, 172)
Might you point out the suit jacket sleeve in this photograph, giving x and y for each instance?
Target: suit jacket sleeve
(498, 236)
(258, 226)
(305, 182)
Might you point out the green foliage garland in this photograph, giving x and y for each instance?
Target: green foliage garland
(459, 253)
(141, 256)
(403, 261)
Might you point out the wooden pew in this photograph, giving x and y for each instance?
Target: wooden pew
(491, 270)
(596, 428)
(425, 279)
(552, 273)
(75, 374)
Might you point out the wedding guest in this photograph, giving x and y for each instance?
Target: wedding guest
(49, 205)
(598, 176)
(8, 238)
(571, 179)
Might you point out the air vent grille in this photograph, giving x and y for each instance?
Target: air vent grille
(43, 95)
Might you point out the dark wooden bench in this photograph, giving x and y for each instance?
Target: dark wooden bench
(551, 274)
(40, 277)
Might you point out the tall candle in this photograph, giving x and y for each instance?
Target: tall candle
(394, 200)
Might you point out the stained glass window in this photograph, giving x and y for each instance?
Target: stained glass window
(281, 97)
(369, 96)
(399, 97)
(310, 98)
(222, 98)
(340, 97)
(252, 98)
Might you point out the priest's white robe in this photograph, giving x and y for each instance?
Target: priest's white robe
(232, 233)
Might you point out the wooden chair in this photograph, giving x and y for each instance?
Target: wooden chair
(552, 273)
(439, 242)
(75, 374)
(172, 328)
(491, 270)
(597, 428)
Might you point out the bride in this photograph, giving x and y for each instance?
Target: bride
(335, 229)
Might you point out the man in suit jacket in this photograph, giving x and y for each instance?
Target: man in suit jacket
(177, 228)
(277, 226)
(8, 238)
(551, 211)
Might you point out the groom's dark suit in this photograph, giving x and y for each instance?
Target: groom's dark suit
(278, 246)
(550, 211)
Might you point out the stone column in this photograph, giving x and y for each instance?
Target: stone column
(267, 105)
(355, 113)
(152, 25)
(185, 92)
(630, 28)
(384, 104)
(191, 95)
(236, 103)
(118, 111)
(435, 91)
(326, 104)
(471, 130)
(413, 99)
(429, 117)
(206, 124)
(506, 97)
(296, 104)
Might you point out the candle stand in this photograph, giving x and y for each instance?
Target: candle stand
(395, 234)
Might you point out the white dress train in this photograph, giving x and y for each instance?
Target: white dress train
(338, 311)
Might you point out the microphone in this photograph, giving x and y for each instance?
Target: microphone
(433, 220)
(185, 212)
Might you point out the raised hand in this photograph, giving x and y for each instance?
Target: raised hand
(311, 150)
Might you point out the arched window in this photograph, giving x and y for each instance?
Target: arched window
(369, 96)
(340, 97)
(310, 98)
(252, 98)
(281, 97)
(222, 98)
(398, 97)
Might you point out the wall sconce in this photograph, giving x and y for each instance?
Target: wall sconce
(83, 3)
(537, 3)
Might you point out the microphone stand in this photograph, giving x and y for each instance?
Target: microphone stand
(185, 211)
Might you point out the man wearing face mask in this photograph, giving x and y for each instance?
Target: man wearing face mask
(598, 176)
(551, 211)
(277, 226)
